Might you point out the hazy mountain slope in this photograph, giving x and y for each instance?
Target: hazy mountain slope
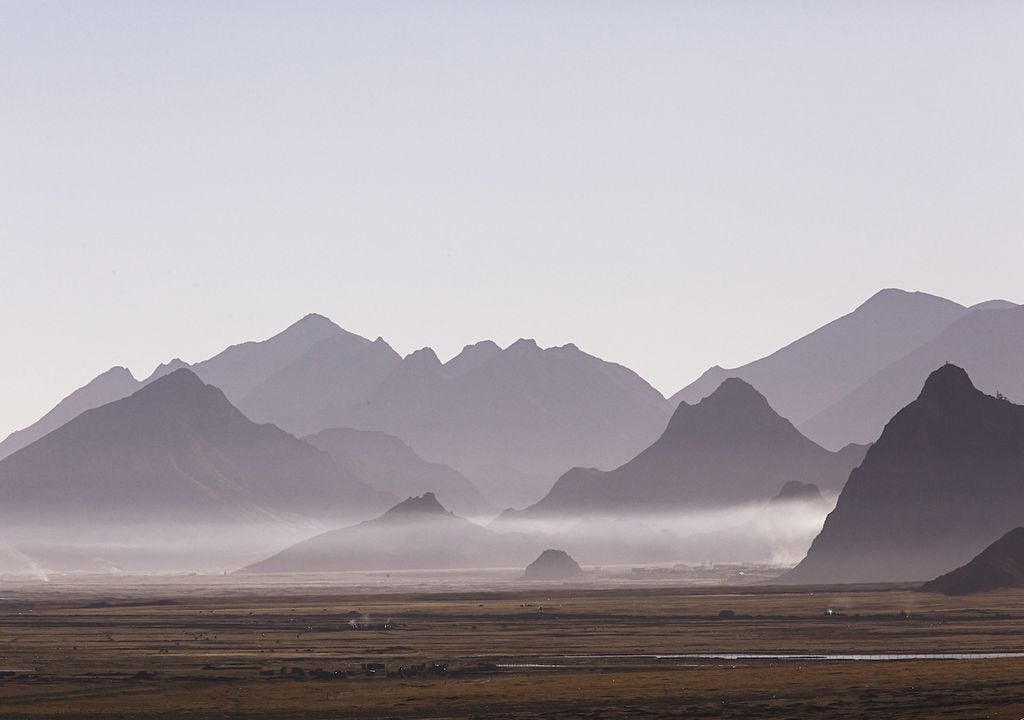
(386, 463)
(944, 480)
(519, 418)
(176, 450)
(471, 357)
(987, 343)
(810, 374)
(240, 368)
(1000, 565)
(112, 385)
(418, 533)
(235, 371)
(318, 389)
(730, 449)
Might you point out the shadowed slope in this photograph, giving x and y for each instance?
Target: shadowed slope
(943, 481)
(810, 374)
(386, 463)
(235, 371)
(1000, 565)
(987, 343)
(176, 450)
(729, 449)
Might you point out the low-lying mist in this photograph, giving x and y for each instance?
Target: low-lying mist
(777, 534)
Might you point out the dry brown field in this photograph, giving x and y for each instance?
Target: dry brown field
(296, 648)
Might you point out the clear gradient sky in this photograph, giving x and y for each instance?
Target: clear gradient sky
(668, 185)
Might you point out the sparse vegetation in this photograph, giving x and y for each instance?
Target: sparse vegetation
(287, 652)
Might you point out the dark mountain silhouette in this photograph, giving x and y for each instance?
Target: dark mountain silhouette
(235, 370)
(512, 419)
(729, 449)
(987, 343)
(386, 463)
(943, 481)
(552, 565)
(803, 378)
(176, 450)
(417, 534)
(1000, 565)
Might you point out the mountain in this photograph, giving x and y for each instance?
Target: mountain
(417, 534)
(176, 450)
(988, 343)
(1000, 565)
(513, 419)
(803, 378)
(386, 463)
(552, 565)
(114, 384)
(317, 390)
(796, 491)
(240, 368)
(944, 480)
(729, 449)
(235, 370)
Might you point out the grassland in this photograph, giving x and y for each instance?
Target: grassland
(287, 649)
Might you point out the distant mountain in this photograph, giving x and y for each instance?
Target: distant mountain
(176, 450)
(417, 534)
(988, 343)
(942, 482)
(816, 371)
(513, 419)
(317, 390)
(729, 449)
(114, 384)
(552, 565)
(235, 370)
(386, 463)
(1000, 565)
(796, 491)
(240, 368)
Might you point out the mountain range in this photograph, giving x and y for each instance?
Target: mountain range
(176, 450)
(729, 449)
(942, 482)
(510, 419)
(840, 383)
(235, 371)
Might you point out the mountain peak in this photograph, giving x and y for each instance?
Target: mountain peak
(118, 371)
(425, 356)
(182, 379)
(425, 504)
(313, 325)
(948, 382)
(735, 390)
(167, 368)
(524, 344)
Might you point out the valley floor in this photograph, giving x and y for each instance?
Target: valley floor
(314, 648)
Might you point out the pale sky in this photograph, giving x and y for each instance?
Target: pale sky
(668, 185)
